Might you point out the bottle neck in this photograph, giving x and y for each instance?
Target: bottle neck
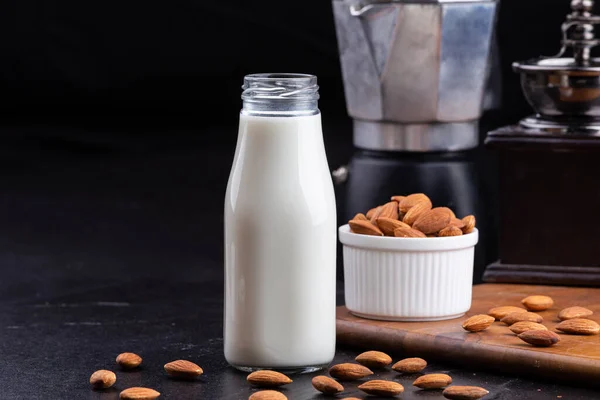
(280, 95)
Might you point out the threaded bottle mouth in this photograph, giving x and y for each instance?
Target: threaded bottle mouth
(280, 87)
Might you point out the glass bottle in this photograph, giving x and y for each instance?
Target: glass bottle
(280, 231)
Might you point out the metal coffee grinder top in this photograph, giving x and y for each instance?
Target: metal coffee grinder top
(414, 71)
(565, 91)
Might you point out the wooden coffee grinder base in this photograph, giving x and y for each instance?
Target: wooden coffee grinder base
(549, 207)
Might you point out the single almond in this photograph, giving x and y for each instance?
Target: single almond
(129, 360)
(267, 378)
(457, 223)
(397, 199)
(450, 231)
(541, 338)
(523, 326)
(183, 369)
(433, 220)
(372, 212)
(521, 316)
(537, 303)
(469, 221)
(364, 228)
(360, 217)
(378, 387)
(326, 385)
(501, 312)
(410, 365)
(102, 379)
(267, 395)
(574, 312)
(374, 359)
(139, 393)
(478, 323)
(389, 225)
(416, 211)
(409, 201)
(452, 215)
(349, 371)
(464, 392)
(579, 326)
(408, 233)
(388, 210)
(433, 381)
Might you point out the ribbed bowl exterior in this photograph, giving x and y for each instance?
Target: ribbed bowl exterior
(408, 285)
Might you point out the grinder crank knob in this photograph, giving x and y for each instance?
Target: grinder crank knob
(582, 5)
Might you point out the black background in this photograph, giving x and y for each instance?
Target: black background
(74, 58)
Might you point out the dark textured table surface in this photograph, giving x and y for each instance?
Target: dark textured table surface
(111, 243)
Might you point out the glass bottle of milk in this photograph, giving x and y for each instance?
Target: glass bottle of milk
(280, 231)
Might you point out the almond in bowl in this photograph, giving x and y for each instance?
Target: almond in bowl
(423, 272)
(415, 216)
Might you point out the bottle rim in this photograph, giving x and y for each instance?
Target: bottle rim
(280, 86)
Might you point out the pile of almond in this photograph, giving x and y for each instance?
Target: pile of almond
(179, 369)
(331, 385)
(527, 324)
(411, 216)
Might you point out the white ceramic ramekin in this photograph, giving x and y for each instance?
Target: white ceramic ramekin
(408, 279)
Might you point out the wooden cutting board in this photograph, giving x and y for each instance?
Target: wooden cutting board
(575, 359)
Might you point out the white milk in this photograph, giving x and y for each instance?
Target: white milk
(280, 246)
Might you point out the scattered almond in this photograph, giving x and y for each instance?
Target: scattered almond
(457, 223)
(432, 381)
(267, 395)
(129, 360)
(408, 232)
(523, 326)
(398, 199)
(433, 220)
(372, 212)
(450, 231)
(409, 201)
(183, 369)
(267, 378)
(364, 228)
(349, 371)
(374, 359)
(537, 303)
(103, 379)
(382, 388)
(501, 312)
(139, 393)
(464, 392)
(360, 217)
(541, 338)
(478, 323)
(521, 316)
(574, 312)
(579, 326)
(469, 221)
(388, 225)
(416, 211)
(410, 365)
(326, 385)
